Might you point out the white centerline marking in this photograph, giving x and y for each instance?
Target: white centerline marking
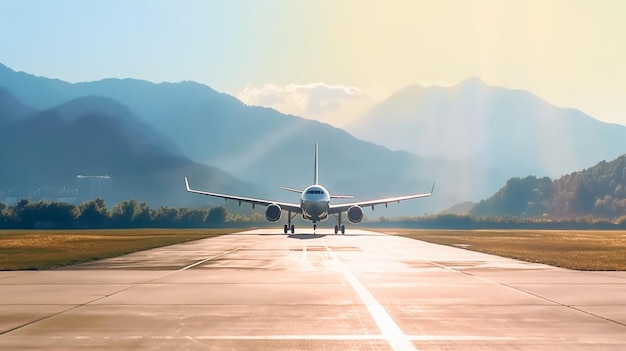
(390, 330)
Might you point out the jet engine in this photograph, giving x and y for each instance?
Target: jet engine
(273, 213)
(355, 214)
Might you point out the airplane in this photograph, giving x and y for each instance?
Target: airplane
(314, 204)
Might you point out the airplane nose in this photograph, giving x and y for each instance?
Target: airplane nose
(314, 210)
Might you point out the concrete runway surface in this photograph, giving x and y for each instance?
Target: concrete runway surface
(260, 290)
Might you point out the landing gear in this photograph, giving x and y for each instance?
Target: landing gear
(289, 227)
(339, 226)
(342, 229)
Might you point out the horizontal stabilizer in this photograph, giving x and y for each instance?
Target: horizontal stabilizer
(292, 189)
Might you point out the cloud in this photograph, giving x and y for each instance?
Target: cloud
(334, 104)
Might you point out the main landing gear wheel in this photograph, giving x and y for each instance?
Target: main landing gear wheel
(289, 227)
(342, 228)
(339, 226)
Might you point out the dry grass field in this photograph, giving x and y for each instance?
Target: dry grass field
(581, 250)
(45, 249)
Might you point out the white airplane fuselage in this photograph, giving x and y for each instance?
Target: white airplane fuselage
(315, 203)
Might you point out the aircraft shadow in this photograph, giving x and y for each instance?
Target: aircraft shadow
(306, 236)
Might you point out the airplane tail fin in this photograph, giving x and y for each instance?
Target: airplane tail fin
(315, 179)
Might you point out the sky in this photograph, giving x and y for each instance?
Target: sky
(330, 59)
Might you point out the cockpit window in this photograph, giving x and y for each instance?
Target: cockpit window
(315, 192)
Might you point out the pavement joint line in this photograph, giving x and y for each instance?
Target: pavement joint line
(209, 259)
(119, 291)
(559, 303)
(540, 297)
(490, 281)
(172, 272)
(390, 330)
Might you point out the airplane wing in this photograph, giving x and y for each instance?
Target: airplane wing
(334, 209)
(295, 208)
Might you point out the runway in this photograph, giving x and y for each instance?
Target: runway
(264, 290)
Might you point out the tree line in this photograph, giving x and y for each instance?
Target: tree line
(467, 222)
(95, 214)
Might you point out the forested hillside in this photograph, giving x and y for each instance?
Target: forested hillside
(599, 191)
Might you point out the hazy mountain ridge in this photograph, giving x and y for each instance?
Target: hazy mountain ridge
(165, 106)
(259, 145)
(135, 129)
(51, 147)
(271, 149)
(598, 191)
(11, 108)
(492, 127)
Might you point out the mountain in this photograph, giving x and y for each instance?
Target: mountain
(259, 145)
(520, 197)
(11, 108)
(511, 132)
(461, 209)
(185, 112)
(136, 130)
(598, 191)
(97, 136)
(469, 138)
